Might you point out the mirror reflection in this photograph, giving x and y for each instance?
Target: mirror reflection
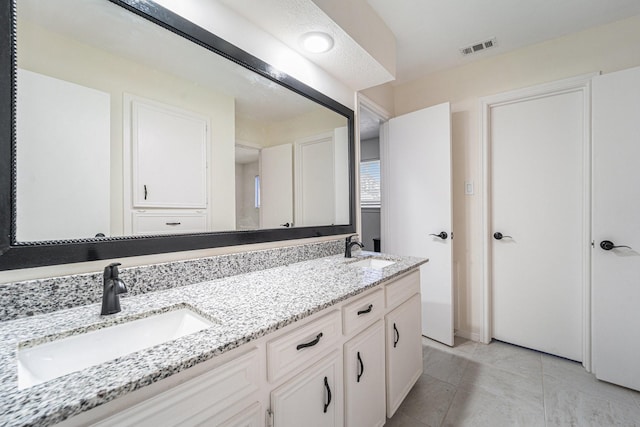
(125, 128)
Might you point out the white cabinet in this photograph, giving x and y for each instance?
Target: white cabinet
(404, 351)
(167, 182)
(209, 399)
(169, 156)
(302, 346)
(364, 380)
(313, 398)
(248, 417)
(351, 364)
(160, 222)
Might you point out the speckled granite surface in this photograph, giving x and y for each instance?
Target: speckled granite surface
(245, 307)
(33, 297)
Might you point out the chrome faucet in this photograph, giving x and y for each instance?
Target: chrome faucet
(349, 244)
(113, 287)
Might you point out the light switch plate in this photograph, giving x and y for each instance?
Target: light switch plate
(468, 188)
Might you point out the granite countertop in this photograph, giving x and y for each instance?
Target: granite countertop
(243, 308)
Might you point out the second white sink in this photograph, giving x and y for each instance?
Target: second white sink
(57, 358)
(375, 263)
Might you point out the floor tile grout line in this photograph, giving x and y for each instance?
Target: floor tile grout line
(544, 393)
(457, 389)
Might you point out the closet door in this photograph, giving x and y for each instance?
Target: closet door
(537, 221)
(616, 213)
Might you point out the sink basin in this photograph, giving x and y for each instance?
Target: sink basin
(54, 359)
(375, 263)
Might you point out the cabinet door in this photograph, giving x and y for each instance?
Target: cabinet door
(169, 156)
(404, 351)
(311, 399)
(364, 378)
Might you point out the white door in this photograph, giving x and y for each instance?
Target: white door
(416, 207)
(55, 120)
(315, 181)
(616, 218)
(276, 186)
(536, 184)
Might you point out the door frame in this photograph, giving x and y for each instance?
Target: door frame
(366, 103)
(581, 84)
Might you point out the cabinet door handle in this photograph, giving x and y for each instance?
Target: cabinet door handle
(310, 343)
(145, 192)
(367, 310)
(172, 223)
(396, 336)
(326, 386)
(361, 368)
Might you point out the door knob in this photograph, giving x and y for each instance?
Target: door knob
(499, 236)
(607, 245)
(286, 224)
(443, 235)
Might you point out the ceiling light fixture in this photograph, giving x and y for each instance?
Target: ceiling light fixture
(316, 42)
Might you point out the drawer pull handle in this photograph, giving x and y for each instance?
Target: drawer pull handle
(361, 368)
(326, 386)
(396, 336)
(310, 343)
(172, 223)
(145, 192)
(368, 310)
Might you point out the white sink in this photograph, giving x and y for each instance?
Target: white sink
(57, 358)
(375, 263)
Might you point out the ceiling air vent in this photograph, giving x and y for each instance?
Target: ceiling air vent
(477, 47)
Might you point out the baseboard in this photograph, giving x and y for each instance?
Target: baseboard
(473, 336)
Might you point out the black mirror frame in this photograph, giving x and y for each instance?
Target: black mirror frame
(16, 255)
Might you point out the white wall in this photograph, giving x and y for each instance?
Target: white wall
(247, 215)
(607, 48)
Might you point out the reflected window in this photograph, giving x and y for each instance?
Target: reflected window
(256, 191)
(370, 184)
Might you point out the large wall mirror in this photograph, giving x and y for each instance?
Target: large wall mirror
(128, 130)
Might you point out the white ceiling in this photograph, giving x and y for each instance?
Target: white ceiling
(429, 33)
(287, 20)
(111, 28)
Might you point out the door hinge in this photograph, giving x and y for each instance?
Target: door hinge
(269, 418)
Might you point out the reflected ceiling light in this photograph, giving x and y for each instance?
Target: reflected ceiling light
(316, 42)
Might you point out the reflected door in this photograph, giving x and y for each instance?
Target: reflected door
(276, 186)
(64, 170)
(616, 210)
(417, 207)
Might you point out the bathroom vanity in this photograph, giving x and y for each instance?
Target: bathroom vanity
(328, 342)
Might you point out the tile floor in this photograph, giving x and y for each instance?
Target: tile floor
(500, 384)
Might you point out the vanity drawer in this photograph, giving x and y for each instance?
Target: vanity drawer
(165, 223)
(402, 289)
(302, 346)
(362, 312)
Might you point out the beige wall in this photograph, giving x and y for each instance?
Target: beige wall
(608, 48)
(316, 122)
